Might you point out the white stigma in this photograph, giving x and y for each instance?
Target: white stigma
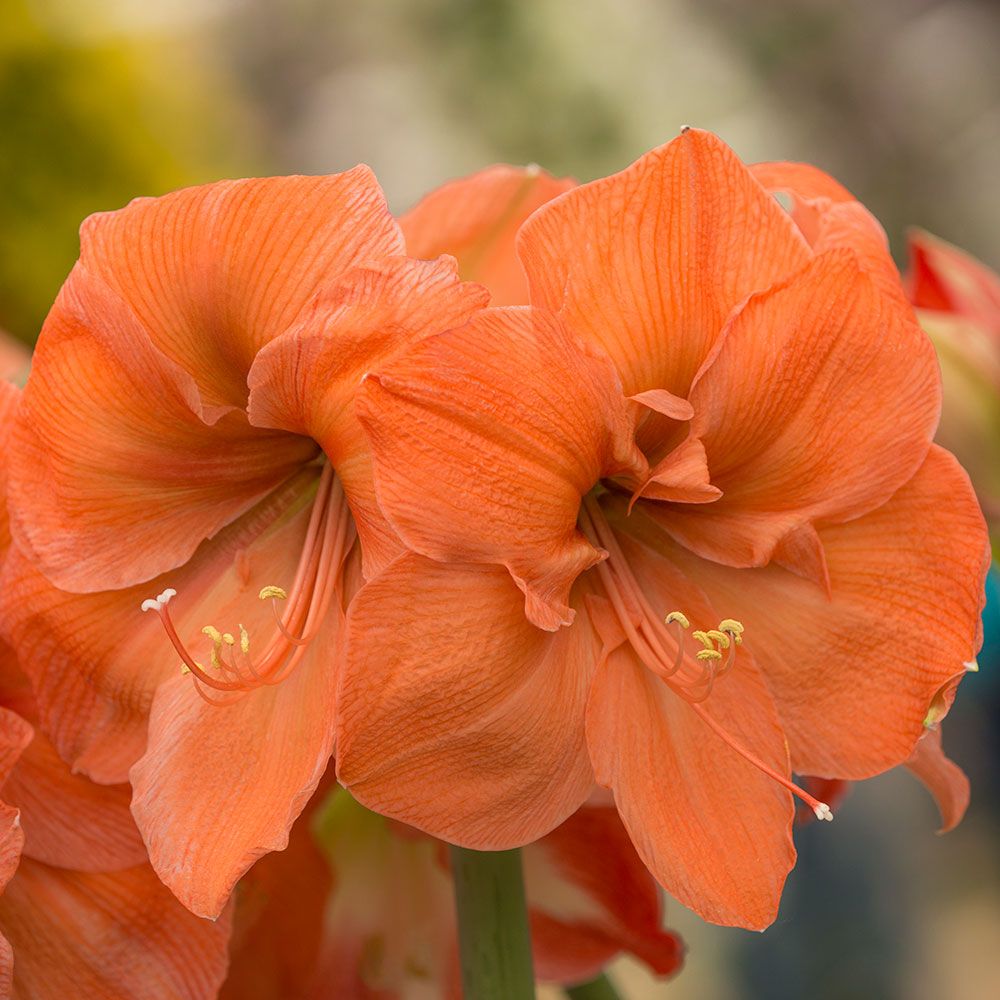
(823, 811)
(160, 601)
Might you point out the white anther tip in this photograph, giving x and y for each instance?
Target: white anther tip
(150, 604)
(164, 598)
(823, 812)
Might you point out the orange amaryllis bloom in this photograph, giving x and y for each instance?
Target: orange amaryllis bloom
(81, 911)
(704, 419)
(381, 912)
(958, 304)
(187, 445)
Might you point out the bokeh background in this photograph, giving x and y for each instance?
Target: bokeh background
(103, 100)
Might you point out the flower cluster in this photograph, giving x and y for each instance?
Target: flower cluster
(574, 518)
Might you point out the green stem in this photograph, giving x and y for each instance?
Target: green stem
(597, 989)
(493, 936)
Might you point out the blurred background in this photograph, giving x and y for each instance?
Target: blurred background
(900, 99)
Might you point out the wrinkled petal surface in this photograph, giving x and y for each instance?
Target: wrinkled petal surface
(648, 263)
(484, 441)
(793, 413)
(117, 471)
(105, 936)
(458, 716)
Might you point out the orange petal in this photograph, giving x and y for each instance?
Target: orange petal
(220, 786)
(590, 897)
(830, 217)
(481, 460)
(15, 735)
(476, 219)
(648, 263)
(305, 380)
(214, 272)
(456, 715)
(944, 779)
(853, 675)
(11, 843)
(116, 934)
(714, 830)
(96, 659)
(118, 470)
(820, 404)
(69, 821)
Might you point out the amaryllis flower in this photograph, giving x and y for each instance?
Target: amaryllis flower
(82, 914)
(360, 907)
(958, 304)
(187, 445)
(680, 528)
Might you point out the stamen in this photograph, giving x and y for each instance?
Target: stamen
(329, 537)
(691, 678)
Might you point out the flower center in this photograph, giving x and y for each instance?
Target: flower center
(233, 668)
(649, 635)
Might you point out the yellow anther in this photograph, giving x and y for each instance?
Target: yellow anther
(722, 638)
(227, 638)
(708, 654)
(679, 617)
(733, 628)
(704, 638)
(185, 669)
(244, 640)
(213, 633)
(267, 593)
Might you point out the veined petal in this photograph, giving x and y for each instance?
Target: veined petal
(943, 778)
(68, 820)
(484, 441)
(590, 898)
(11, 842)
(854, 674)
(220, 786)
(820, 404)
(96, 660)
(107, 935)
(648, 263)
(305, 380)
(713, 829)
(830, 217)
(476, 219)
(213, 273)
(118, 471)
(455, 714)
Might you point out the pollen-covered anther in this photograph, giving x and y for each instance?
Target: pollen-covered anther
(273, 593)
(708, 654)
(679, 617)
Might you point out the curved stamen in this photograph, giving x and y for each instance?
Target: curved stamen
(691, 678)
(329, 536)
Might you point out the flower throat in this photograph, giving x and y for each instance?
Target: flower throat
(650, 637)
(233, 669)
